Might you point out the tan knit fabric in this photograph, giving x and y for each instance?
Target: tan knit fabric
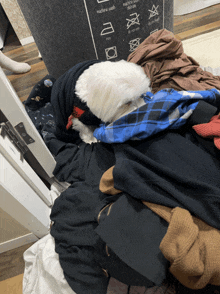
(107, 183)
(191, 246)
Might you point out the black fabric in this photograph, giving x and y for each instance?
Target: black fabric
(203, 113)
(134, 233)
(115, 267)
(81, 251)
(74, 214)
(63, 98)
(172, 171)
(43, 119)
(39, 108)
(204, 143)
(165, 161)
(40, 94)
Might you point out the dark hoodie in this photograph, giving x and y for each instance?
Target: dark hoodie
(63, 100)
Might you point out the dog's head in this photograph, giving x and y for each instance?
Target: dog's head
(112, 89)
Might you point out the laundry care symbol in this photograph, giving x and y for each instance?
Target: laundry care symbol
(111, 52)
(153, 11)
(108, 29)
(134, 20)
(134, 44)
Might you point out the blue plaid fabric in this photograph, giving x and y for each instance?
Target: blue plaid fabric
(167, 109)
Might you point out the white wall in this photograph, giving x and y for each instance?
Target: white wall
(187, 6)
(17, 20)
(4, 23)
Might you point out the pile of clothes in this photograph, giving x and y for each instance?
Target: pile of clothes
(149, 202)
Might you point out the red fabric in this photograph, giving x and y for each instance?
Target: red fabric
(69, 124)
(77, 112)
(210, 130)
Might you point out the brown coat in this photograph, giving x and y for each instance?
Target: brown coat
(163, 59)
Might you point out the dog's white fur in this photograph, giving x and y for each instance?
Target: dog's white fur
(110, 90)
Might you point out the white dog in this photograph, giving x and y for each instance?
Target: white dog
(110, 90)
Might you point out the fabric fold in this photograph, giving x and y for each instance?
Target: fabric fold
(210, 130)
(163, 59)
(190, 245)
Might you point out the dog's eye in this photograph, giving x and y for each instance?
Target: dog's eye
(128, 103)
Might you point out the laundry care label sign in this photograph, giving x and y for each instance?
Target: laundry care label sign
(79, 30)
(118, 27)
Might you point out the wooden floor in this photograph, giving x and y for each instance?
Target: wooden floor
(12, 262)
(23, 83)
(197, 23)
(193, 24)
